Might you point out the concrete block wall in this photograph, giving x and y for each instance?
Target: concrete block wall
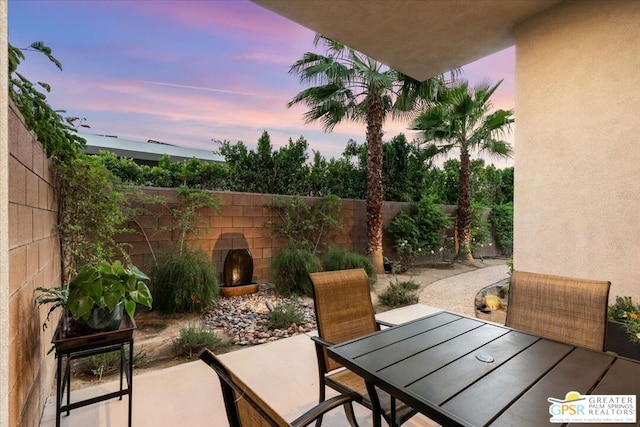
(240, 224)
(34, 260)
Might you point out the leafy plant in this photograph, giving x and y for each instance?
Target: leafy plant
(338, 258)
(91, 207)
(627, 313)
(417, 231)
(190, 200)
(99, 287)
(399, 294)
(283, 315)
(194, 338)
(103, 364)
(290, 270)
(55, 132)
(480, 234)
(463, 119)
(105, 286)
(304, 224)
(501, 221)
(57, 297)
(184, 282)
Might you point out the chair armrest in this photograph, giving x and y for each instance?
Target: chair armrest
(385, 323)
(317, 411)
(321, 342)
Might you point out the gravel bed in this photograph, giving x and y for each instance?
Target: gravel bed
(245, 317)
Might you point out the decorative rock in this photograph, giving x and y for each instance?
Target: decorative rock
(245, 317)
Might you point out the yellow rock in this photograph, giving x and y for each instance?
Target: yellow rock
(492, 302)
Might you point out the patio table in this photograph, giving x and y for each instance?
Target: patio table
(461, 371)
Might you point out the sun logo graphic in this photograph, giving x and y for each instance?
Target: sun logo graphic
(578, 408)
(571, 405)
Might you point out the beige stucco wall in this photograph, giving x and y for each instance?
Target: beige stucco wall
(577, 162)
(4, 223)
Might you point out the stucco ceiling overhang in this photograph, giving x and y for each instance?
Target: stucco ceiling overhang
(420, 38)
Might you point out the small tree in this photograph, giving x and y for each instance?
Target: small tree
(417, 231)
(461, 119)
(305, 224)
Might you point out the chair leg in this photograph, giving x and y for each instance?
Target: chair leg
(322, 395)
(351, 416)
(377, 419)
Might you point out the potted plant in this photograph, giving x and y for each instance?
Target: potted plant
(623, 328)
(98, 296)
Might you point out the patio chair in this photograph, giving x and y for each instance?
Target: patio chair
(564, 309)
(344, 311)
(246, 409)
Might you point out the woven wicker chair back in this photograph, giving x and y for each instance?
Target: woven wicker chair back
(564, 309)
(343, 306)
(244, 407)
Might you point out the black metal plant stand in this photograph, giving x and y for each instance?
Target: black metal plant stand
(77, 347)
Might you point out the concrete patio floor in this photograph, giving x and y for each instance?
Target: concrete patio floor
(283, 372)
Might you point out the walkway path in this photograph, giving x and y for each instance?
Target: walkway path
(457, 293)
(453, 288)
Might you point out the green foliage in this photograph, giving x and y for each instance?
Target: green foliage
(405, 169)
(265, 170)
(91, 213)
(106, 286)
(408, 173)
(343, 177)
(338, 258)
(290, 270)
(98, 287)
(399, 294)
(501, 221)
(463, 119)
(283, 315)
(418, 231)
(191, 173)
(480, 234)
(194, 338)
(108, 363)
(89, 200)
(190, 200)
(57, 297)
(304, 224)
(184, 282)
(628, 313)
(55, 132)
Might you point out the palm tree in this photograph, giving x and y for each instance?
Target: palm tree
(461, 119)
(352, 86)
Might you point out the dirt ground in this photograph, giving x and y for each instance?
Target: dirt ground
(155, 334)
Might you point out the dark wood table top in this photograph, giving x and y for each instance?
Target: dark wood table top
(458, 370)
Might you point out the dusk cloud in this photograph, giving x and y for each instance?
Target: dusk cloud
(187, 72)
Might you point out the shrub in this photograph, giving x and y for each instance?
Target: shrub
(480, 234)
(338, 258)
(417, 231)
(501, 221)
(290, 270)
(103, 364)
(305, 224)
(194, 338)
(184, 283)
(283, 315)
(399, 294)
(628, 313)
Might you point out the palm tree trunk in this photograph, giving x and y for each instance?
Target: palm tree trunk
(375, 117)
(463, 220)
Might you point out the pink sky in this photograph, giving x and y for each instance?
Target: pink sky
(187, 72)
